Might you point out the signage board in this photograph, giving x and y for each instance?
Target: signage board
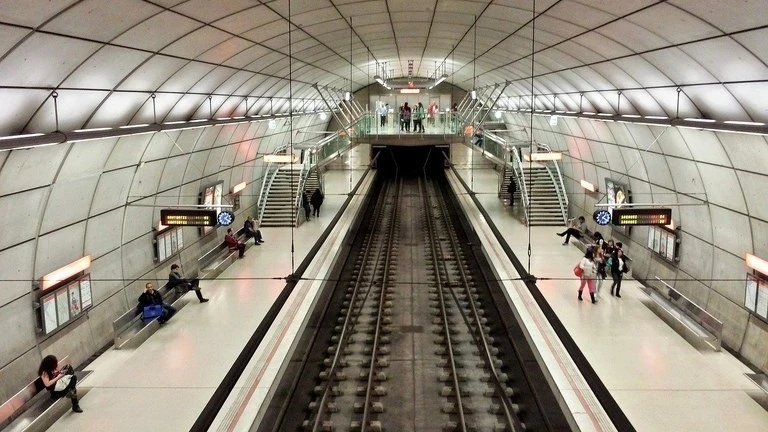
(636, 216)
(188, 217)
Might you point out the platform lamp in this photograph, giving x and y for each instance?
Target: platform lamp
(60, 275)
(235, 195)
(757, 264)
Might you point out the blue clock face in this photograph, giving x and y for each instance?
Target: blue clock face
(226, 218)
(602, 217)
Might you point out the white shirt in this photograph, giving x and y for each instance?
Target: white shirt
(589, 268)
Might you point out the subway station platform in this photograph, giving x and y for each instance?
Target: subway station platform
(659, 380)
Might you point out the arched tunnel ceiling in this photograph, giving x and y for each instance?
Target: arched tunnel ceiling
(224, 58)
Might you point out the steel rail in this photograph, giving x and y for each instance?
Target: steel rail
(480, 337)
(348, 319)
(382, 300)
(435, 262)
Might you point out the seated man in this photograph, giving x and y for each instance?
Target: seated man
(233, 244)
(151, 297)
(577, 230)
(176, 281)
(252, 231)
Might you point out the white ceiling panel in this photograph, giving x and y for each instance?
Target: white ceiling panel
(659, 19)
(106, 68)
(186, 77)
(727, 60)
(44, 60)
(727, 16)
(209, 11)
(101, 20)
(32, 13)
(157, 32)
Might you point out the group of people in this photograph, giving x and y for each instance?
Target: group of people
(316, 200)
(250, 231)
(599, 259)
(415, 115)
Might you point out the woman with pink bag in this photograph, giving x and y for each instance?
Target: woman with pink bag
(588, 271)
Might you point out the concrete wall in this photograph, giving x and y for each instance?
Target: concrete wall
(722, 174)
(95, 198)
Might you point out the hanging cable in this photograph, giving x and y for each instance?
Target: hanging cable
(294, 211)
(530, 145)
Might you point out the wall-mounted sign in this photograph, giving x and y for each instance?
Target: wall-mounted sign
(188, 217)
(635, 216)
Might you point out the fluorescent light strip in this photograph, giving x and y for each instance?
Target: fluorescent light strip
(589, 113)
(631, 116)
(93, 130)
(699, 120)
(656, 117)
(605, 114)
(744, 123)
(65, 272)
(20, 136)
(134, 126)
(756, 263)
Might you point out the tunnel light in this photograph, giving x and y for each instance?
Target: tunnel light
(410, 91)
(588, 186)
(756, 264)
(473, 94)
(605, 114)
(281, 158)
(553, 120)
(657, 117)
(497, 114)
(93, 130)
(64, 273)
(134, 126)
(631, 116)
(238, 187)
(700, 120)
(744, 123)
(272, 124)
(543, 156)
(323, 116)
(10, 137)
(347, 96)
(589, 113)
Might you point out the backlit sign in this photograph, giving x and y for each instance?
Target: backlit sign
(188, 217)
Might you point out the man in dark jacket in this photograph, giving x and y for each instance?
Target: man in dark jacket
(316, 200)
(151, 297)
(251, 231)
(511, 191)
(176, 281)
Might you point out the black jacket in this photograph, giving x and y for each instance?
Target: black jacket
(615, 264)
(317, 199)
(148, 299)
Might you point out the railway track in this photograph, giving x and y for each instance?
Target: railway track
(411, 338)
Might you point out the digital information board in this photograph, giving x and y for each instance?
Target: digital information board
(188, 217)
(625, 217)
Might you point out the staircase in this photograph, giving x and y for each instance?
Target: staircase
(509, 174)
(279, 210)
(544, 203)
(312, 182)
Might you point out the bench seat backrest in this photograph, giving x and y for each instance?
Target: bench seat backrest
(10, 408)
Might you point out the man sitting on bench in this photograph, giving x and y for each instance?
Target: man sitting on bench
(150, 297)
(251, 231)
(576, 230)
(176, 281)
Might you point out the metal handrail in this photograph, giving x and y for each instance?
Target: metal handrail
(306, 166)
(517, 168)
(562, 196)
(268, 173)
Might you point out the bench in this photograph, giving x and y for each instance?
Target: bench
(760, 380)
(131, 330)
(216, 260)
(32, 408)
(687, 318)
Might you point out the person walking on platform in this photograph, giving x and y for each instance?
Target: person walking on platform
(589, 269)
(59, 382)
(407, 117)
(419, 118)
(151, 297)
(618, 268)
(316, 200)
(305, 204)
(233, 244)
(176, 281)
(251, 231)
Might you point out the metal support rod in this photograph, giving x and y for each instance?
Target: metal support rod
(494, 102)
(55, 95)
(154, 107)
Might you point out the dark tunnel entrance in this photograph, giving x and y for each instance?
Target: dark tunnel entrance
(410, 161)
